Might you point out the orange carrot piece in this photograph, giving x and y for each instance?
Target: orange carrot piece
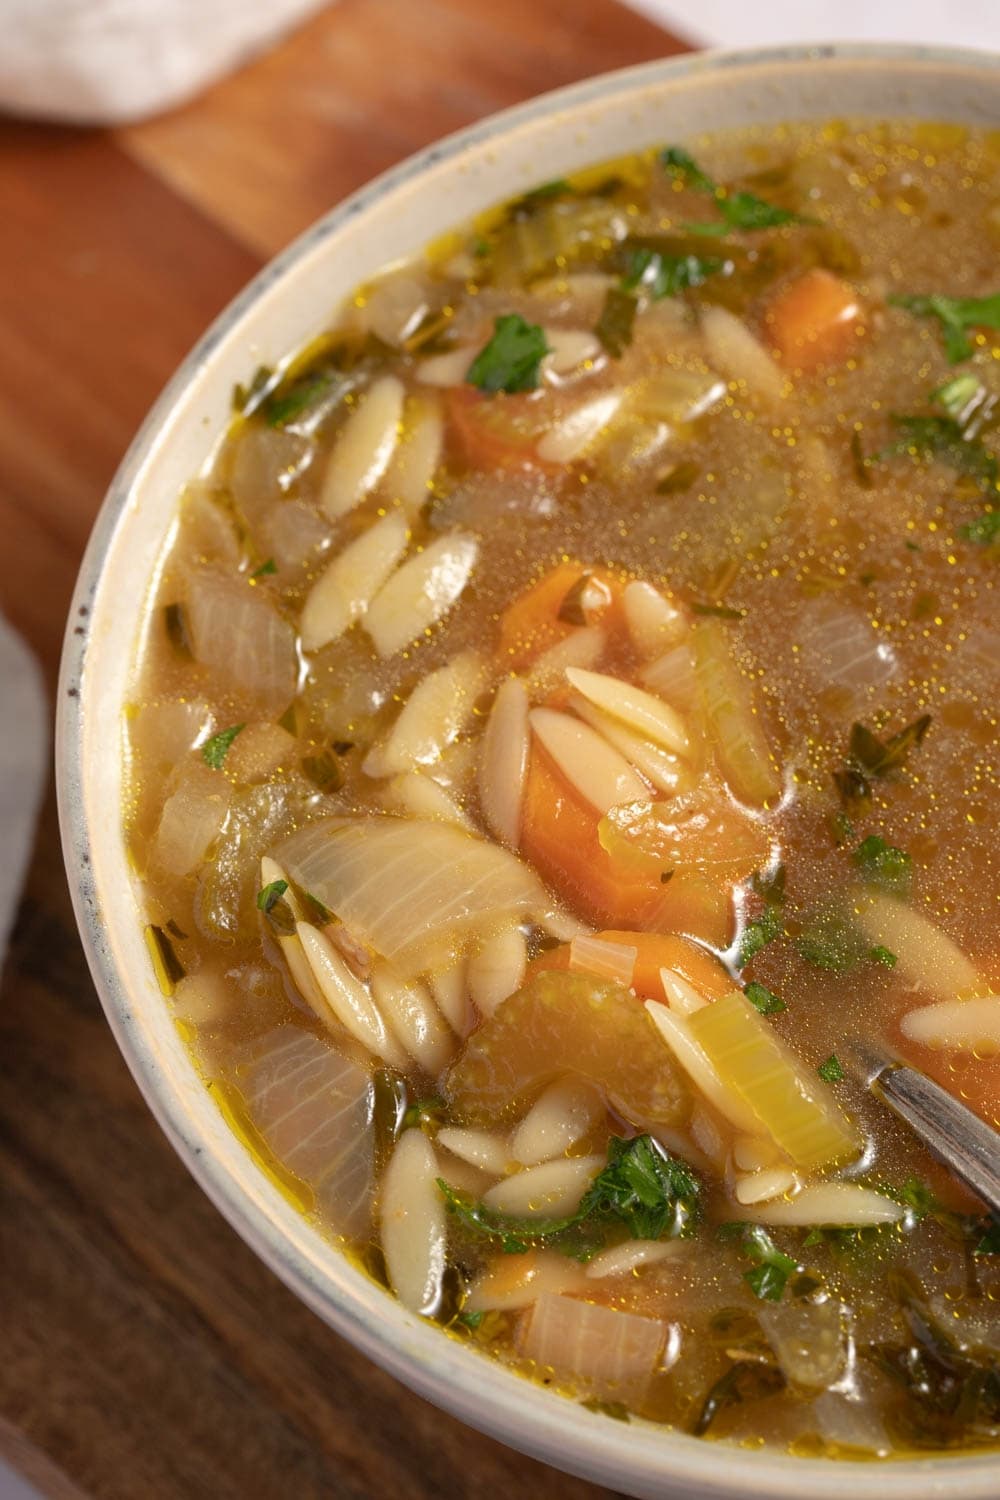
(531, 624)
(498, 432)
(654, 951)
(813, 320)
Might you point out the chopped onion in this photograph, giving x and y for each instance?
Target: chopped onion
(583, 647)
(410, 475)
(364, 446)
(606, 960)
(851, 1421)
(413, 1227)
(347, 999)
(560, 1117)
(631, 1256)
(258, 751)
(925, 955)
(421, 592)
(654, 622)
(236, 632)
(497, 970)
(659, 766)
(479, 1147)
(840, 1204)
(809, 1341)
(342, 594)
(315, 1111)
(550, 1190)
(434, 714)
(741, 357)
(639, 710)
(956, 1025)
(601, 776)
(410, 1013)
(422, 797)
(415, 892)
(838, 645)
(503, 763)
(673, 1028)
(292, 534)
(569, 437)
(162, 733)
(205, 999)
(394, 307)
(191, 820)
(611, 1354)
(744, 757)
(514, 1281)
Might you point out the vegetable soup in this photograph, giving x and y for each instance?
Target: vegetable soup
(565, 721)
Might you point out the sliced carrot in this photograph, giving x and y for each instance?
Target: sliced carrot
(813, 320)
(654, 951)
(532, 623)
(559, 838)
(499, 432)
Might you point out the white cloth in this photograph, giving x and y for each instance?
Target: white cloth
(24, 764)
(107, 61)
(734, 23)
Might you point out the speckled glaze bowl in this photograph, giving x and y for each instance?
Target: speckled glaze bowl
(289, 302)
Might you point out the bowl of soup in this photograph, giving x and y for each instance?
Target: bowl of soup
(530, 711)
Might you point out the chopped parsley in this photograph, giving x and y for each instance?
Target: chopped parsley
(869, 756)
(661, 275)
(772, 1267)
(764, 1000)
(758, 933)
(884, 865)
(956, 316)
(831, 941)
(215, 750)
(270, 894)
(248, 398)
(961, 397)
(739, 210)
(884, 956)
(989, 1244)
(832, 1070)
(511, 360)
(614, 326)
(265, 569)
(984, 530)
(423, 1112)
(292, 400)
(944, 439)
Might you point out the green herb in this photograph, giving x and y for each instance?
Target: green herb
(247, 398)
(745, 1380)
(291, 402)
(424, 1112)
(481, 248)
(956, 316)
(661, 275)
(510, 361)
(215, 750)
(764, 1000)
(719, 611)
(984, 530)
(642, 1187)
(840, 824)
(175, 622)
(832, 1070)
(265, 568)
(740, 210)
(681, 477)
(989, 1244)
(471, 1319)
(943, 439)
(959, 396)
(884, 956)
(831, 941)
(166, 965)
(772, 1266)
(868, 756)
(525, 206)
(269, 894)
(884, 865)
(614, 326)
(615, 1409)
(757, 934)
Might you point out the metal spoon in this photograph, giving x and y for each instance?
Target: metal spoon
(966, 1144)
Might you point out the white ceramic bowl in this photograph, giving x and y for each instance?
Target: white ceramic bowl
(291, 300)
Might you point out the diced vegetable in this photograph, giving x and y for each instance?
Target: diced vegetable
(609, 1353)
(813, 320)
(744, 756)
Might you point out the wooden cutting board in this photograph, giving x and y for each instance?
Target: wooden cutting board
(144, 1352)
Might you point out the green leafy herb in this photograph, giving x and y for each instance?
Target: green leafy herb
(884, 865)
(989, 1244)
(265, 569)
(740, 210)
(984, 530)
(424, 1112)
(757, 934)
(510, 361)
(719, 611)
(831, 941)
(772, 1267)
(614, 326)
(959, 396)
(832, 1070)
(471, 1319)
(943, 439)
(269, 894)
(247, 398)
(744, 1381)
(661, 275)
(868, 756)
(481, 248)
(884, 956)
(525, 206)
(764, 1000)
(956, 316)
(292, 400)
(642, 1187)
(215, 750)
(769, 884)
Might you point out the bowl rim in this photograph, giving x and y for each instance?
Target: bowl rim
(473, 1388)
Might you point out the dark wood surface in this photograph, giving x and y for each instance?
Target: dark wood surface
(144, 1352)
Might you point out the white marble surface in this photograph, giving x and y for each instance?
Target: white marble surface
(734, 23)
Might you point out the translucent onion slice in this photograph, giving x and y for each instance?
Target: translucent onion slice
(956, 1025)
(744, 757)
(741, 357)
(693, 1059)
(363, 447)
(569, 437)
(602, 776)
(481, 1148)
(412, 1222)
(514, 1281)
(503, 762)
(667, 772)
(925, 955)
(838, 1204)
(432, 717)
(593, 955)
(550, 1190)
(191, 820)
(421, 593)
(497, 969)
(423, 797)
(809, 1340)
(795, 1106)
(346, 997)
(415, 892)
(236, 632)
(637, 709)
(315, 1111)
(654, 622)
(556, 1121)
(342, 594)
(409, 1011)
(410, 475)
(607, 1353)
